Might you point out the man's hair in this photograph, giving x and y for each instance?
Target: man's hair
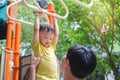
(46, 26)
(82, 61)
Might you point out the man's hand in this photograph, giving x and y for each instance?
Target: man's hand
(35, 60)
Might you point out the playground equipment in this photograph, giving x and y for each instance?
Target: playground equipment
(39, 9)
(3, 25)
(11, 55)
(3, 5)
(83, 4)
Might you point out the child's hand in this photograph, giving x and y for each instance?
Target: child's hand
(38, 14)
(55, 19)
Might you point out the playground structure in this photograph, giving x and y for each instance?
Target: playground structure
(11, 52)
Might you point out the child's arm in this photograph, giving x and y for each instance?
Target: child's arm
(36, 28)
(56, 34)
(55, 39)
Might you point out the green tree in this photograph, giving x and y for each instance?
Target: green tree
(103, 15)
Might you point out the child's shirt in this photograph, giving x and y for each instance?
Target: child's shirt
(47, 68)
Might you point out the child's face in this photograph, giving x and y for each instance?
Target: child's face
(46, 37)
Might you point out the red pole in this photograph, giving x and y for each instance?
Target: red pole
(17, 52)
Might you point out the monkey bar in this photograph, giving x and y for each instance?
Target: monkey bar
(39, 9)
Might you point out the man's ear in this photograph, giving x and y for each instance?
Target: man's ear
(67, 64)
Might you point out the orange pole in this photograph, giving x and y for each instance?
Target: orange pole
(52, 10)
(17, 52)
(8, 47)
(13, 40)
(13, 49)
(13, 37)
(15, 16)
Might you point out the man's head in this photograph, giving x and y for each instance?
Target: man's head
(46, 34)
(81, 61)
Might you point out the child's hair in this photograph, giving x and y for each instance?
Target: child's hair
(82, 61)
(46, 26)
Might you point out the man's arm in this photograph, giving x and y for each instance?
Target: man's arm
(34, 63)
(58, 67)
(32, 72)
